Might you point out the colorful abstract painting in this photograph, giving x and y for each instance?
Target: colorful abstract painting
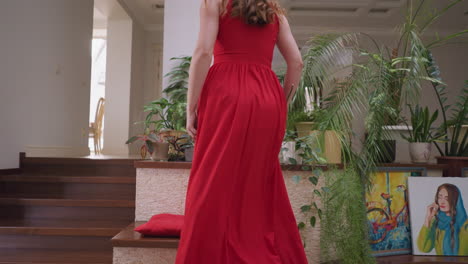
(388, 211)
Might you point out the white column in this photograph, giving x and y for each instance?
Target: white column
(118, 80)
(45, 54)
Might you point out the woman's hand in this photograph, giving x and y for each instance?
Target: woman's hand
(192, 124)
(430, 213)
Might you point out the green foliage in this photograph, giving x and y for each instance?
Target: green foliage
(382, 82)
(171, 115)
(178, 79)
(456, 122)
(345, 220)
(421, 122)
(167, 114)
(453, 127)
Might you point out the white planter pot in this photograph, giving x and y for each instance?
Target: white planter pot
(288, 150)
(420, 152)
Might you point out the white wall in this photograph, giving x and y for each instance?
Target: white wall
(45, 54)
(118, 81)
(137, 84)
(181, 26)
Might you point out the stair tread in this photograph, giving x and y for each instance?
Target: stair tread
(66, 202)
(61, 223)
(61, 227)
(30, 255)
(67, 179)
(130, 238)
(57, 196)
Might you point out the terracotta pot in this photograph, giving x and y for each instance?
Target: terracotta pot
(161, 150)
(420, 152)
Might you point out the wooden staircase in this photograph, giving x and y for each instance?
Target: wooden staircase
(64, 210)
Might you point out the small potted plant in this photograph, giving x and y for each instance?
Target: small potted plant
(171, 124)
(188, 147)
(153, 143)
(421, 134)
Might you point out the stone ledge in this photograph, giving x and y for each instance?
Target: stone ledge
(286, 167)
(130, 238)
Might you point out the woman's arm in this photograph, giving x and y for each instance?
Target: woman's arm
(201, 59)
(288, 48)
(427, 237)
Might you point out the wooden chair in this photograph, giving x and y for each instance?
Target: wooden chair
(95, 128)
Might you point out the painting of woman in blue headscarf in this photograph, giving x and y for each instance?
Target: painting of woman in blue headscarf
(444, 229)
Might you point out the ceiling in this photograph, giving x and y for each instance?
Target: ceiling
(309, 16)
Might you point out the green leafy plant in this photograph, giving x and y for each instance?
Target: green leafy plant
(459, 118)
(379, 85)
(421, 123)
(171, 115)
(148, 139)
(453, 127)
(178, 79)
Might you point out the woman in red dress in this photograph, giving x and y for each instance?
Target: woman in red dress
(237, 209)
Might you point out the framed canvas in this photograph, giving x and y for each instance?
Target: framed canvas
(464, 172)
(439, 221)
(388, 210)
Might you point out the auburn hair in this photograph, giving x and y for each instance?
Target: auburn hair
(256, 12)
(453, 194)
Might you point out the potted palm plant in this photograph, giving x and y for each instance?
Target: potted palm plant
(379, 83)
(421, 134)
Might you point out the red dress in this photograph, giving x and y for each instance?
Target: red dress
(237, 209)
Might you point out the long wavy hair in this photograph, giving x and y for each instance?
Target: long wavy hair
(453, 194)
(256, 12)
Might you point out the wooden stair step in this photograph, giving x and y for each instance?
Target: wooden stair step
(59, 231)
(56, 196)
(32, 255)
(67, 202)
(67, 209)
(68, 187)
(67, 179)
(61, 227)
(77, 166)
(46, 222)
(130, 238)
(72, 242)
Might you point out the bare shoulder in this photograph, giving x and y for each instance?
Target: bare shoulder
(283, 19)
(211, 3)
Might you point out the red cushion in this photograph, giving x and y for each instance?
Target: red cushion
(162, 225)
